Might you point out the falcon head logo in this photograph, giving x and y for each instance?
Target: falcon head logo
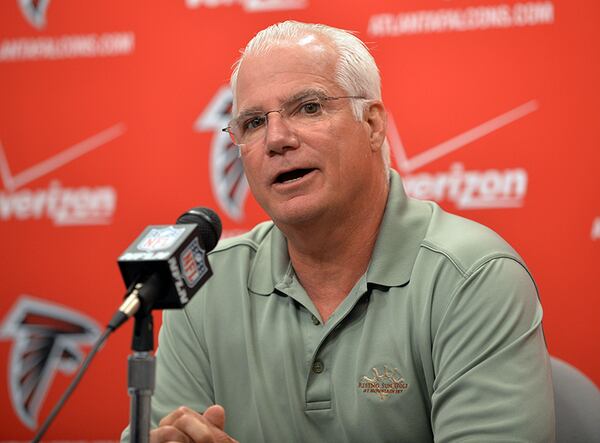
(226, 171)
(46, 338)
(35, 11)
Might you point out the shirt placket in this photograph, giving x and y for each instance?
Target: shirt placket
(318, 387)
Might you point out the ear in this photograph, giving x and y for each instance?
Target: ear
(376, 117)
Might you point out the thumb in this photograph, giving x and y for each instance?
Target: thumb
(216, 415)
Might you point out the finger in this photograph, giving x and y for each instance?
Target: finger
(216, 415)
(168, 434)
(196, 427)
(173, 416)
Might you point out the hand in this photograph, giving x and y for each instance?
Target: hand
(187, 426)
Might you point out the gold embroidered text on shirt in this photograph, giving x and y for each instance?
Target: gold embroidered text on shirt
(383, 383)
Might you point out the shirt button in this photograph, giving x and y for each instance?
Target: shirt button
(318, 367)
(315, 320)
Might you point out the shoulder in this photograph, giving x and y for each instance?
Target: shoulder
(465, 243)
(232, 263)
(241, 247)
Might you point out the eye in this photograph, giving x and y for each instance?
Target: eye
(254, 122)
(312, 107)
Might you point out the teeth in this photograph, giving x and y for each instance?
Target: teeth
(292, 180)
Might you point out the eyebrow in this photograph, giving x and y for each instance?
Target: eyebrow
(311, 92)
(298, 96)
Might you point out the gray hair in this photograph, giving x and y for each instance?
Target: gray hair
(356, 70)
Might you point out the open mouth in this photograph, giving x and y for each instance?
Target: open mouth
(292, 176)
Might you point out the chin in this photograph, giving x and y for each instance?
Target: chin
(295, 213)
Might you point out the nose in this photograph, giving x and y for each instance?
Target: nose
(280, 136)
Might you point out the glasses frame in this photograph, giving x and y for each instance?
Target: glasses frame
(265, 115)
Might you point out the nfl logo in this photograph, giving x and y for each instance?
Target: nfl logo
(159, 239)
(192, 264)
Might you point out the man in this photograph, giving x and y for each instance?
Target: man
(358, 314)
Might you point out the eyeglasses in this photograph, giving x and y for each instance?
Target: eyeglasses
(250, 127)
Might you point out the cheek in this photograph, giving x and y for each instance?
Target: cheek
(355, 150)
(331, 144)
(252, 171)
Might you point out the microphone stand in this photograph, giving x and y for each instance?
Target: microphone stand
(141, 377)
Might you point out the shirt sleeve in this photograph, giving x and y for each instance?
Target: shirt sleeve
(182, 369)
(492, 370)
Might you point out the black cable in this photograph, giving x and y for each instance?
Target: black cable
(72, 386)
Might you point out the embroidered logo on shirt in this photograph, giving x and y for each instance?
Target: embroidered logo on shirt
(383, 383)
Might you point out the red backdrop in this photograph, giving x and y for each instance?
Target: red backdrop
(109, 118)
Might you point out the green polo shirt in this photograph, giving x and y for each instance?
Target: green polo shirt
(440, 339)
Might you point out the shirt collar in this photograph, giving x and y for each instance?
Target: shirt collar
(402, 229)
(271, 264)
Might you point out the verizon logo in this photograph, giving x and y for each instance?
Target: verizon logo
(65, 206)
(467, 189)
(473, 189)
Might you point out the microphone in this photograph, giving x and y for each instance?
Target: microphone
(167, 264)
(163, 268)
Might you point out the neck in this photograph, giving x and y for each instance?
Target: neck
(331, 254)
